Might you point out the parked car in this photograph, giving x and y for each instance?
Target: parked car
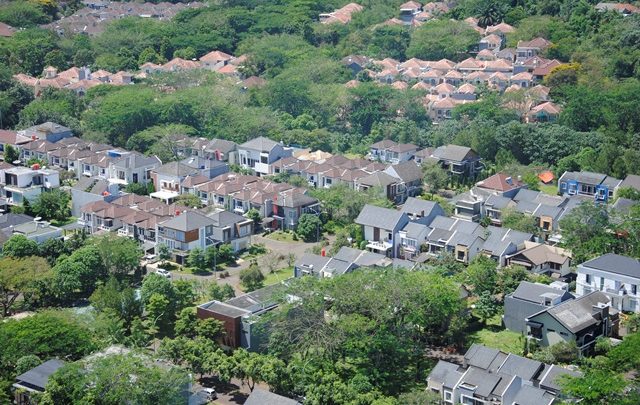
(163, 273)
(210, 393)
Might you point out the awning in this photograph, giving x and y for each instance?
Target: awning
(164, 195)
(267, 220)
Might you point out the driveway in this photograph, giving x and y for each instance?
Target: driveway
(279, 248)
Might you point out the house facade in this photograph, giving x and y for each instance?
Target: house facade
(257, 154)
(380, 225)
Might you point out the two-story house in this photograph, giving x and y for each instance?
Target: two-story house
(169, 176)
(90, 189)
(411, 238)
(597, 185)
(458, 160)
(23, 183)
(527, 49)
(49, 131)
(231, 228)
(582, 320)
(421, 211)
(616, 276)
(380, 225)
(528, 299)
(410, 176)
(184, 232)
(501, 242)
(540, 258)
(132, 167)
(392, 152)
(257, 154)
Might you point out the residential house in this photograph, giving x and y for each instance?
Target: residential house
(239, 315)
(346, 260)
(257, 154)
(490, 376)
(8, 137)
(599, 186)
(494, 206)
(38, 231)
(355, 63)
(90, 189)
(491, 42)
(132, 168)
(540, 258)
(209, 168)
(528, 299)
(408, 11)
(186, 231)
(341, 15)
(421, 211)
(388, 184)
(501, 242)
(458, 160)
(625, 9)
(462, 239)
(410, 184)
(527, 49)
(48, 131)
(214, 60)
(392, 152)
(168, 178)
(34, 381)
(582, 320)
(616, 276)
(289, 205)
(380, 225)
(545, 112)
(631, 181)
(23, 183)
(101, 216)
(231, 228)
(220, 149)
(261, 397)
(422, 155)
(502, 184)
(411, 238)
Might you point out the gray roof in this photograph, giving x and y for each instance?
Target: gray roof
(524, 368)
(445, 373)
(419, 207)
(550, 376)
(442, 222)
(591, 178)
(547, 210)
(338, 267)
(91, 185)
(37, 377)
(48, 127)
(9, 219)
(260, 143)
(499, 239)
(454, 153)
(261, 397)
(225, 309)
(225, 218)
(632, 180)
(188, 221)
(535, 292)
(576, 315)
(483, 357)
(379, 217)
(360, 257)
(136, 160)
(221, 145)
(484, 381)
(407, 171)
(617, 264)
(498, 202)
(177, 169)
(246, 304)
(414, 229)
(528, 395)
(378, 179)
(310, 259)
(623, 205)
(526, 195)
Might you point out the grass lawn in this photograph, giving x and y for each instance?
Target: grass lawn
(494, 335)
(278, 276)
(550, 189)
(63, 223)
(281, 236)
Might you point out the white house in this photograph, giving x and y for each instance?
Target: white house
(24, 183)
(257, 154)
(615, 275)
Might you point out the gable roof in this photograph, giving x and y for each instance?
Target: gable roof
(500, 182)
(260, 143)
(378, 179)
(617, 264)
(37, 377)
(261, 397)
(406, 171)
(446, 373)
(453, 152)
(577, 315)
(632, 180)
(536, 292)
(385, 218)
(188, 221)
(216, 56)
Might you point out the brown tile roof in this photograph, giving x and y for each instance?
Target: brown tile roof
(500, 182)
(216, 56)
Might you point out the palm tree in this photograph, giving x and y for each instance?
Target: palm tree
(489, 13)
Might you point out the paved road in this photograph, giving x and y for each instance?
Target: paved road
(274, 247)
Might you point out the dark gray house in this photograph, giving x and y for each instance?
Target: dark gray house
(458, 160)
(528, 299)
(34, 380)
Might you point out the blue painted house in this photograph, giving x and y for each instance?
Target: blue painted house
(597, 185)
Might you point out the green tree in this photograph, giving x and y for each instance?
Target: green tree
(221, 292)
(481, 275)
(197, 260)
(26, 363)
(189, 200)
(442, 39)
(254, 215)
(486, 307)
(117, 299)
(164, 254)
(519, 221)
(11, 154)
(251, 278)
(309, 227)
(19, 246)
(120, 256)
(18, 278)
(53, 205)
(435, 177)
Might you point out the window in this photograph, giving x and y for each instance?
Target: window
(634, 289)
(551, 330)
(587, 278)
(633, 304)
(448, 396)
(601, 283)
(264, 159)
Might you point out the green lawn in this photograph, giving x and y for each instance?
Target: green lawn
(278, 276)
(494, 335)
(281, 236)
(550, 189)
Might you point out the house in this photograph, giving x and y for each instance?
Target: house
(380, 225)
(132, 168)
(494, 205)
(391, 152)
(38, 231)
(220, 149)
(545, 112)
(458, 160)
(186, 231)
(289, 205)
(169, 176)
(411, 238)
(257, 154)
(491, 42)
(599, 186)
(410, 176)
(355, 63)
(582, 320)
(346, 260)
(614, 275)
(408, 11)
(527, 49)
(214, 60)
(90, 189)
(528, 299)
(48, 131)
(232, 229)
(632, 181)
(625, 9)
(463, 239)
(501, 242)
(389, 184)
(34, 380)
(341, 15)
(501, 184)
(540, 258)
(239, 315)
(99, 216)
(23, 183)
(490, 376)
(421, 211)
(8, 137)
(261, 397)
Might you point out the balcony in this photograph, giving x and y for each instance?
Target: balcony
(383, 245)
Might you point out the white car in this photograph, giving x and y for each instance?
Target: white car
(210, 393)
(163, 273)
